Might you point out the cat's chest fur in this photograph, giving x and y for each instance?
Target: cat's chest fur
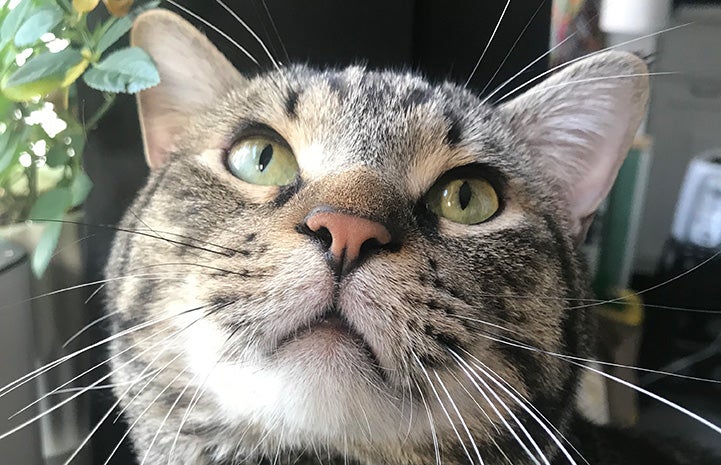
(352, 266)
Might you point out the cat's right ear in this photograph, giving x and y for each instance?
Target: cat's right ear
(193, 73)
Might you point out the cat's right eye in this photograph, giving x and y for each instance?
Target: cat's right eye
(465, 200)
(260, 160)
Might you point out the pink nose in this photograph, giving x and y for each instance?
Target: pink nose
(350, 235)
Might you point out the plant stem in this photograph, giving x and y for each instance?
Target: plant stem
(93, 121)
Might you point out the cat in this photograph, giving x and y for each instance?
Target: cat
(356, 266)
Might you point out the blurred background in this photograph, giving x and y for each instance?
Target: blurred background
(653, 248)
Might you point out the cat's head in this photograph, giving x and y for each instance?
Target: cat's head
(344, 258)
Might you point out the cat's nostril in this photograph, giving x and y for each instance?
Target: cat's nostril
(347, 238)
(324, 237)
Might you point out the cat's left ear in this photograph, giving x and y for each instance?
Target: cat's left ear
(193, 74)
(582, 122)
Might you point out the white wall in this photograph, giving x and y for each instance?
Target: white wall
(684, 119)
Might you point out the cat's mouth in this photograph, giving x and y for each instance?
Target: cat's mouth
(329, 328)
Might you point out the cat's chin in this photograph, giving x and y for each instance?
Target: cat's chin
(331, 341)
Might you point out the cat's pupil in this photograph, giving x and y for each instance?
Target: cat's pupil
(265, 157)
(464, 194)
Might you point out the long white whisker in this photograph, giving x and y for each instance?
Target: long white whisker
(89, 325)
(150, 404)
(472, 376)
(490, 41)
(250, 30)
(513, 47)
(124, 393)
(215, 28)
(568, 63)
(511, 342)
(570, 359)
(673, 405)
(517, 398)
(431, 423)
(443, 407)
(49, 366)
(670, 280)
(460, 417)
(582, 81)
(89, 370)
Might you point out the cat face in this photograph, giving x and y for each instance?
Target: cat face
(357, 261)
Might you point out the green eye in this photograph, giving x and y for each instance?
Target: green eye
(463, 200)
(262, 161)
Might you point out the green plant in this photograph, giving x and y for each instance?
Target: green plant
(45, 46)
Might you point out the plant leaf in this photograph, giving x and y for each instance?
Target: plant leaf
(45, 66)
(57, 155)
(113, 34)
(80, 188)
(13, 20)
(51, 205)
(128, 70)
(42, 21)
(43, 252)
(7, 150)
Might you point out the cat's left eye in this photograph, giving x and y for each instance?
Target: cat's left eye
(462, 200)
(260, 160)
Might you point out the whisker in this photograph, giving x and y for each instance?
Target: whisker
(569, 359)
(150, 404)
(582, 81)
(568, 63)
(89, 370)
(443, 407)
(45, 368)
(471, 374)
(250, 30)
(488, 45)
(513, 47)
(524, 404)
(668, 281)
(434, 435)
(215, 28)
(142, 233)
(275, 30)
(511, 342)
(120, 397)
(661, 399)
(460, 417)
(89, 325)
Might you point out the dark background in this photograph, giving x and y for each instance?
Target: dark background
(441, 40)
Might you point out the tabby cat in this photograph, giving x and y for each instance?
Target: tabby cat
(354, 266)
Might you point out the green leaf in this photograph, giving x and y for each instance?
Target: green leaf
(114, 33)
(7, 149)
(45, 66)
(13, 20)
(43, 252)
(57, 155)
(52, 204)
(128, 70)
(42, 21)
(80, 188)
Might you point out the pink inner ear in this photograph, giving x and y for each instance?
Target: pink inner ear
(159, 132)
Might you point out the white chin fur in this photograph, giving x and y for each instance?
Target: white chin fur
(310, 393)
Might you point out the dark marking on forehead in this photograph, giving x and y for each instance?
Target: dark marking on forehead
(338, 85)
(416, 97)
(291, 104)
(455, 129)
